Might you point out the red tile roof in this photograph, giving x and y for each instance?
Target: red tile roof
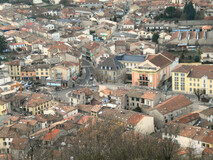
(173, 104)
(135, 119)
(51, 134)
(149, 95)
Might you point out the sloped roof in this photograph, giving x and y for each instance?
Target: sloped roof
(173, 104)
(135, 119)
(51, 134)
(160, 61)
(111, 62)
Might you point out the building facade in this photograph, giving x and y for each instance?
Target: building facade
(190, 78)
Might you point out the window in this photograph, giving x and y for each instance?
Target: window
(210, 86)
(46, 73)
(210, 91)
(190, 84)
(176, 74)
(36, 73)
(176, 79)
(41, 69)
(137, 99)
(42, 73)
(198, 85)
(194, 79)
(190, 79)
(198, 80)
(133, 99)
(182, 74)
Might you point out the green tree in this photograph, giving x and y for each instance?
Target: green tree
(155, 37)
(137, 109)
(3, 43)
(197, 58)
(189, 11)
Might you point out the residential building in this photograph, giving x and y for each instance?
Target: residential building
(130, 62)
(4, 108)
(36, 104)
(131, 120)
(155, 70)
(42, 71)
(112, 70)
(171, 109)
(15, 70)
(207, 114)
(129, 24)
(207, 54)
(28, 73)
(190, 78)
(19, 148)
(65, 111)
(17, 45)
(66, 71)
(187, 136)
(81, 96)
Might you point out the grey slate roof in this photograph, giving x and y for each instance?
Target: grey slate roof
(110, 64)
(130, 58)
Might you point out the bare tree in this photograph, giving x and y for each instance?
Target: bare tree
(199, 93)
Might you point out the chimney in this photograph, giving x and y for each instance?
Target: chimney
(28, 123)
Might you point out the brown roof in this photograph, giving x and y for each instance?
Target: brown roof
(160, 61)
(187, 118)
(87, 91)
(18, 143)
(207, 112)
(36, 99)
(149, 95)
(64, 109)
(14, 63)
(128, 22)
(208, 138)
(169, 55)
(120, 43)
(135, 119)
(96, 108)
(207, 49)
(173, 104)
(85, 108)
(182, 68)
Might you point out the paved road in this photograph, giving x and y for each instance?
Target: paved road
(83, 81)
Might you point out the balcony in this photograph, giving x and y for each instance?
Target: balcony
(143, 79)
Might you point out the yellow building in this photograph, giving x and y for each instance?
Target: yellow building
(3, 108)
(36, 104)
(42, 71)
(188, 78)
(15, 70)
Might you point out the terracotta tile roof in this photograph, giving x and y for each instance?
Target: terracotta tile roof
(207, 112)
(12, 119)
(200, 71)
(106, 91)
(182, 68)
(87, 91)
(208, 138)
(120, 43)
(160, 61)
(186, 118)
(64, 109)
(84, 108)
(169, 55)
(173, 104)
(36, 99)
(96, 108)
(14, 63)
(135, 119)
(19, 143)
(60, 47)
(51, 134)
(2, 102)
(84, 119)
(149, 95)
(150, 57)
(20, 43)
(31, 122)
(129, 22)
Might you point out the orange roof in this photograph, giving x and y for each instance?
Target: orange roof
(149, 95)
(172, 104)
(51, 134)
(84, 119)
(106, 91)
(134, 119)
